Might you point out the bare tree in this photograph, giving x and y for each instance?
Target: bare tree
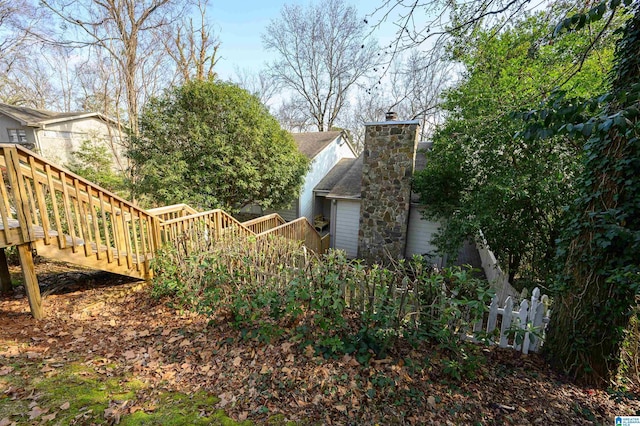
(418, 85)
(420, 20)
(128, 30)
(23, 81)
(411, 86)
(193, 46)
(322, 54)
(17, 17)
(292, 117)
(260, 84)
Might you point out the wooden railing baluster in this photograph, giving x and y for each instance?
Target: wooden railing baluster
(81, 215)
(68, 213)
(40, 198)
(62, 241)
(5, 208)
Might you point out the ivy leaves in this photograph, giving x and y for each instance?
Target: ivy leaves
(580, 20)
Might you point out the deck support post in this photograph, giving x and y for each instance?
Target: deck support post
(5, 276)
(30, 280)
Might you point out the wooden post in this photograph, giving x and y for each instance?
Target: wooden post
(5, 277)
(30, 280)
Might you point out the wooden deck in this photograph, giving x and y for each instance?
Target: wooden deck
(50, 211)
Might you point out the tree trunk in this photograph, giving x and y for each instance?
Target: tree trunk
(596, 294)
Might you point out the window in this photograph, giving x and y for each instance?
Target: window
(17, 136)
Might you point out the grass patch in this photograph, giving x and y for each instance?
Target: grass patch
(177, 409)
(74, 393)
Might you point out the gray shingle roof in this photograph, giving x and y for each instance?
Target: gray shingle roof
(350, 184)
(335, 174)
(34, 117)
(311, 143)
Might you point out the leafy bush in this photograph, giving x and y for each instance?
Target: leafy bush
(94, 162)
(272, 287)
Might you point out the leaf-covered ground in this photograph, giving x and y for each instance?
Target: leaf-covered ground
(109, 354)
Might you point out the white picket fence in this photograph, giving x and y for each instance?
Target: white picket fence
(498, 280)
(522, 329)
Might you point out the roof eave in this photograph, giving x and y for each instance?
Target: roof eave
(69, 118)
(344, 197)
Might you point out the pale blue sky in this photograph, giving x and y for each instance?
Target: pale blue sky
(240, 24)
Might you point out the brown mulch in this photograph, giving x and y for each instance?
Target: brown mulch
(121, 325)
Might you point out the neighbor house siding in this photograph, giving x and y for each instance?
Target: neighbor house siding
(59, 140)
(347, 224)
(420, 235)
(7, 123)
(320, 166)
(287, 214)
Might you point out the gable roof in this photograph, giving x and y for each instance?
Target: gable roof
(350, 184)
(335, 175)
(31, 117)
(312, 143)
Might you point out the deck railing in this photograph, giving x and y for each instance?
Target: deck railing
(264, 223)
(172, 212)
(46, 204)
(211, 225)
(61, 215)
(299, 229)
(216, 224)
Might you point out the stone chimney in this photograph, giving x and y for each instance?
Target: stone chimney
(388, 162)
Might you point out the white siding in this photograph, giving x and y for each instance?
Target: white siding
(347, 224)
(320, 166)
(419, 235)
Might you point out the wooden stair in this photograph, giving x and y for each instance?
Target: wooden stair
(49, 211)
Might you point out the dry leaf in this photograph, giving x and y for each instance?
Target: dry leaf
(237, 361)
(6, 370)
(65, 406)
(47, 368)
(49, 417)
(174, 339)
(78, 332)
(36, 412)
(341, 408)
(309, 351)
(431, 401)
(5, 422)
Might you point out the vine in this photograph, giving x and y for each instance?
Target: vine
(598, 281)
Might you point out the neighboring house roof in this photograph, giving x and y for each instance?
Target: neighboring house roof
(335, 174)
(31, 117)
(312, 143)
(350, 184)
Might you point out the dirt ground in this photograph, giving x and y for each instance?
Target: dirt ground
(114, 328)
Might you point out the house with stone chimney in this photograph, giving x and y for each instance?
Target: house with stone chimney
(373, 212)
(324, 150)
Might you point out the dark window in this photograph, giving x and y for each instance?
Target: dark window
(17, 136)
